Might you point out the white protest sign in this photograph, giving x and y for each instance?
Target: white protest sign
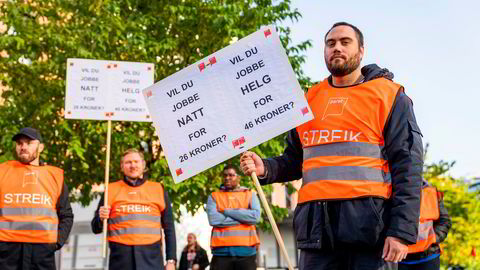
(233, 100)
(107, 90)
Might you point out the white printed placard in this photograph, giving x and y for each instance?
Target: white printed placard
(107, 90)
(231, 101)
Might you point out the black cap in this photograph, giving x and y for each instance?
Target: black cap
(28, 132)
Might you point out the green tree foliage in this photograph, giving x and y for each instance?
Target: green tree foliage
(41, 35)
(464, 210)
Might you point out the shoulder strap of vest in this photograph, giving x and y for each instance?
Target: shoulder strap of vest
(388, 83)
(55, 170)
(116, 183)
(156, 184)
(312, 92)
(13, 163)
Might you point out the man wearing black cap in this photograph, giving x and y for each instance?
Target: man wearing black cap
(35, 214)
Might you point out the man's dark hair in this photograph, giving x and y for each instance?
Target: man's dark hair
(230, 166)
(358, 33)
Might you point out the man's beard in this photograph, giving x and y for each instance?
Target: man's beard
(348, 67)
(27, 159)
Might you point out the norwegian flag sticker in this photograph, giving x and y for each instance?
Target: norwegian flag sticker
(179, 171)
(210, 62)
(304, 110)
(267, 32)
(238, 142)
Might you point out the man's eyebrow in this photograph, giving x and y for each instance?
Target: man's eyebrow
(346, 39)
(341, 39)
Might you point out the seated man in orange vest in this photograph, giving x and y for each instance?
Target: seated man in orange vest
(233, 212)
(137, 212)
(360, 161)
(35, 213)
(432, 230)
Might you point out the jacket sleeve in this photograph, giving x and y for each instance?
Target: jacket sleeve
(288, 166)
(169, 229)
(97, 224)
(183, 261)
(203, 259)
(65, 217)
(215, 218)
(404, 151)
(246, 216)
(443, 224)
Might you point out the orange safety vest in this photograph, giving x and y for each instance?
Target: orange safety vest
(28, 203)
(135, 217)
(429, 212)
(237, 235)
(342, 145)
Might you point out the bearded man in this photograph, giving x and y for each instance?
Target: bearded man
(139, 214)
(360, 159)
(35, 214)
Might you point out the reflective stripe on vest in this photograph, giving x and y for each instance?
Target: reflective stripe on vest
(118, 232)
(238, 235)
(136, 213)
(429, 212)
(217, 233)
(30, 226)
(343, 146)
(369, 175)
(346, 173)
(119, 219)
(353, 149)
(426, 237)
(28, 211)
(424, 230)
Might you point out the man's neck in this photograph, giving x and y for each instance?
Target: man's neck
(347, 80)
(133, 180)
(232, 188)
(35, 162)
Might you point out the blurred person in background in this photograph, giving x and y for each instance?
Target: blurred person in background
(194, 257)
(432, 230)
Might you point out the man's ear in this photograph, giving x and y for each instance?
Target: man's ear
(144, 165)
(41, 146)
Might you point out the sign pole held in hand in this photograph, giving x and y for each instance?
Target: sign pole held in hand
(271, 219)
(107, 177)
(235, 99)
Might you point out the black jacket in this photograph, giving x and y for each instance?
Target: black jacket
(144, 257)
(201, 259)
(367, 221)
(16, 256)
